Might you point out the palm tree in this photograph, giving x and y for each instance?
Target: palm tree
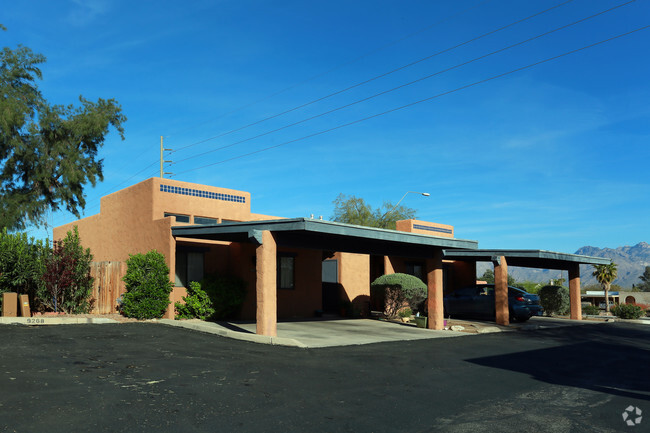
(605, 274)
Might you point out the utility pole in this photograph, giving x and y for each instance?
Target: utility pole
(162, 158)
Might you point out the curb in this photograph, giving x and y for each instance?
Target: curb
(40, 321)
(213, 328)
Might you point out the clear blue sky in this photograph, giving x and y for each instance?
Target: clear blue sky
(553, 157)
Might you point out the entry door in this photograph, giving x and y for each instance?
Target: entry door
(330, 284)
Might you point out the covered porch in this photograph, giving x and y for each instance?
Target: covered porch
(308, 234)
(501, 259)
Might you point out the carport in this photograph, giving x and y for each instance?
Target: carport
(306, 233)
(501, 259)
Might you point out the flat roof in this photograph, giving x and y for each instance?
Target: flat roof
(326, 235)
(526, 258)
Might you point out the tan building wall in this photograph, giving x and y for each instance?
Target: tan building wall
(425, 228)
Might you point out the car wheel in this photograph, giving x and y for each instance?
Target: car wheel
(523, 319)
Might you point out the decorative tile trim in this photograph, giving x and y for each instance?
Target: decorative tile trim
(433, 229)
(203, 194)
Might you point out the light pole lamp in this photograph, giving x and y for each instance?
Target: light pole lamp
(425, 194)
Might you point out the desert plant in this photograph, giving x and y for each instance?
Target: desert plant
(605, 274)
(554, 299)
(396, 291)
(405, 312)
(147, 286)
(227, 294)
(627, 311)
(198, 304)
(591, 310)
(67, 284)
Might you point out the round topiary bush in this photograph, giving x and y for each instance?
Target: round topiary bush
(147, 286)
(397, 291)
(554, 299)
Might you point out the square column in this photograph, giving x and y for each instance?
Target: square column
(574, 292)
(388, 266)
(266, 285)
(501, 291)
(436, 316)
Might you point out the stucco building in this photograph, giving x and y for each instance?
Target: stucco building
(292, 267)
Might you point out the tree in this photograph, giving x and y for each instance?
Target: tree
(605, 274)
(354, 210)
(645, 277)
(488, 277)
(47, 152)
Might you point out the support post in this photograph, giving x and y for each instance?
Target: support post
(574, 292)
(501, 291)
(266, 285)
(388, 266)
(436, 316)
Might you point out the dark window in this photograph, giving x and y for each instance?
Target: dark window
(179, 218)
(189, 267)
(286, 271)
(205, 221)
(416, 269)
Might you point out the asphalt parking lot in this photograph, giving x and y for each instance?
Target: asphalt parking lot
(146, 377)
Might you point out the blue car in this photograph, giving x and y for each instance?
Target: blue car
(478, 301)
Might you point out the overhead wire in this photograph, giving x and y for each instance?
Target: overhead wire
(406, 84)
(339, 66)
(494, 77)
(385, 74)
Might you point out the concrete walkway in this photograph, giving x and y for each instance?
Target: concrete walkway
(318, 333)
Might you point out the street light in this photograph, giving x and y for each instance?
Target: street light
(425, 194)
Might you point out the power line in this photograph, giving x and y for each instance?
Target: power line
(375, 77)
(339, 66)
(494, 77)
(407, 84)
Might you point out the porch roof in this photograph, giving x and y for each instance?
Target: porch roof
(326, 235)
(526, 258)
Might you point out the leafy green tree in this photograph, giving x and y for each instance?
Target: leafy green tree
(47, 152)
(354, 210)
(645, 277)
(605, 274)
(488, 277)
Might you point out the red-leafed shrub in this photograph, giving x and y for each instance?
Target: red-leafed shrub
(67, 284)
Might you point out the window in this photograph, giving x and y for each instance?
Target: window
(286, 271)
(189, 266)
(416, 269)
(330, 271)
(204, 221)
(179, 218)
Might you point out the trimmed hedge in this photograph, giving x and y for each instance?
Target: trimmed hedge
(147, 286)
(627, 311)
(397, 291)
(554, 299)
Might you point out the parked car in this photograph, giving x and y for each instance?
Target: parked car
(478, 301)
(603, 305)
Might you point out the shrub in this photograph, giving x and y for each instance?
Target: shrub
(67, 284)
(198, 304)
(227, 294)
(627, 311)
(147, 286)
(22, 262)
(395, 291)
(591, 310)
(554, 299)
(405, 312)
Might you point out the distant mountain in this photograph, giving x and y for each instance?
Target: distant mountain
(631, 262)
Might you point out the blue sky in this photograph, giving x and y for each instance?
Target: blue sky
(552, 157)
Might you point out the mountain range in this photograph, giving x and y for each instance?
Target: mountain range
(631, 262)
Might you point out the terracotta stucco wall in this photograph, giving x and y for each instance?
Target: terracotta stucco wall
(354, 278)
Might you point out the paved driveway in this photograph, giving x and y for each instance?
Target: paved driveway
(146, 377)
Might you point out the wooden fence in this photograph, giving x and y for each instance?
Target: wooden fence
(107, 286)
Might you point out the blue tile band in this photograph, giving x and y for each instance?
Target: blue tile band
(203, 194)
(433, 229)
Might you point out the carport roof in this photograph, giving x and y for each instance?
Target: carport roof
(526, 258)
(326, 235)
